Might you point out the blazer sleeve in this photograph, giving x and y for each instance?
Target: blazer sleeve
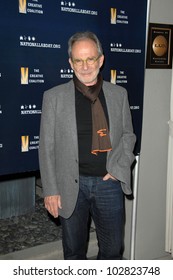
(46, 145)
(128, 137)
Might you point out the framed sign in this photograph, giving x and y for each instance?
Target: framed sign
(159, 49)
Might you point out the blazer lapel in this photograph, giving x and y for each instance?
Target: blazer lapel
(109, 108)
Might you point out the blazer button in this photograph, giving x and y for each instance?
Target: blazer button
(76, 180)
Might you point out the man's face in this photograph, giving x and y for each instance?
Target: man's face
(85, 61)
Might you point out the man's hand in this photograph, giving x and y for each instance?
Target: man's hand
(109, 176)
(52, 204)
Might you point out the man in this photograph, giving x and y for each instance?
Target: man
(86, 145)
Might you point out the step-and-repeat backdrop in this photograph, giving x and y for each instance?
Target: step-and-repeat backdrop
(33, 58)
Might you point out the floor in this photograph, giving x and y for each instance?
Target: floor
(35, 237)
(53, 251)
(29, 230)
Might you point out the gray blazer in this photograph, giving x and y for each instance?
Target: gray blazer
(58, 148)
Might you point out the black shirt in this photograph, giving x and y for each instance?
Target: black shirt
(89, 164)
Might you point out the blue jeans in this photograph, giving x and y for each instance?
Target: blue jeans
(104, 200)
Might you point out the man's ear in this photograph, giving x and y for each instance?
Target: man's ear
(71, 63)
(101, 60)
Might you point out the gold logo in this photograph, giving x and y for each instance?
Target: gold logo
(113, 76)
(113, 15)
(160, 45)
(102, 132)
(24, 75)
(22, 6)
(24, 143)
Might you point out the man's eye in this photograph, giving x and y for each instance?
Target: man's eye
(77, 60)
(90, 59)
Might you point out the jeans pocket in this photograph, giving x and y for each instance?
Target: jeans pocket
(114, 180)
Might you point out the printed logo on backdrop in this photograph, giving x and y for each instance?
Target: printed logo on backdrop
(31, 41)
(1, 145)
(66, 73)
(119, 48)
(118, 17)
(24, 75)
(22, 6)
(35, 77)
(71, 7)
(25, 143)
(113, 76)
(113, 15)
(30, 7)
(134, 107)
(118, 77)
(30, 109)
(28, 143)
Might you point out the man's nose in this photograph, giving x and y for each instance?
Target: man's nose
(85, 64)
